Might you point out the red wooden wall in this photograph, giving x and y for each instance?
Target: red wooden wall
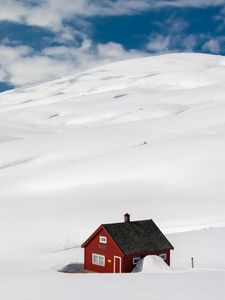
(110, 250)
(95, 247)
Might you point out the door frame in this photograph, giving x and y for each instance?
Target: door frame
(114, 263)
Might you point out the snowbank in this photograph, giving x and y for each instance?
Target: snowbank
(151, 264)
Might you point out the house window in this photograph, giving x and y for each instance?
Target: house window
(102, 246)
(163, 256)
(135, 260)
(102, 239)
(98, 259)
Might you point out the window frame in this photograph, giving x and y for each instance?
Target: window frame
(102, 239)
(98, 256)
(163, 256)
(136, 260)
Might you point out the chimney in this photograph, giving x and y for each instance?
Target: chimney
(126, 218)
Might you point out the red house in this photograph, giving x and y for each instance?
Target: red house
(117, 247)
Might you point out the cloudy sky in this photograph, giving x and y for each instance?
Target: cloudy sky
(42, 40)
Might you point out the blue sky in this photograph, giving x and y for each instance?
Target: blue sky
(42, 40)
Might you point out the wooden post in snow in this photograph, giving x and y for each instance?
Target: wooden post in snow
(192, 262)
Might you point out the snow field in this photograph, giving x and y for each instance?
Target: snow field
(145, 136)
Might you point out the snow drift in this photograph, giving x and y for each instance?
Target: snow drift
(151, 264)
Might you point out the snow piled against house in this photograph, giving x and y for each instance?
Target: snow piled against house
(151, 264)
(144, 136)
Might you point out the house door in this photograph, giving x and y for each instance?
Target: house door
(117, 264)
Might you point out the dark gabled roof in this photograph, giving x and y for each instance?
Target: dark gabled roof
(138, 236)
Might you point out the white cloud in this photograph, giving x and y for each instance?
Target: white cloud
(182, 42)
(3, 75)
(36, 69)
(20, 65)
(214, 45)
(173, 39)
(159, 43)
(189, 42)
(190, 3)
(111, 51)
(221, 19)
(9, 56)
(172, 25)
(51, 13)
(176, 25)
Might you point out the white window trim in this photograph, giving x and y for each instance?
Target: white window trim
(163, 256)
(135, 260)
(102, 239)
(98, 256)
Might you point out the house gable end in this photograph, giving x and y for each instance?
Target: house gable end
(113, 241)
(92, 236)
(96, 232)
(100, 251)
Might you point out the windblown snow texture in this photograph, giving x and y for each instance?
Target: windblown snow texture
(144, 136)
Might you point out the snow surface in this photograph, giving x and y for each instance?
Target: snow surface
(144, 136)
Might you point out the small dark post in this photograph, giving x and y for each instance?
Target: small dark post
(126, 218)
(192, 262)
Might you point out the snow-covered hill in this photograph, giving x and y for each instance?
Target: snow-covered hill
(145, 136)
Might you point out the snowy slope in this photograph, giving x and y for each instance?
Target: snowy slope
(145, 136)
